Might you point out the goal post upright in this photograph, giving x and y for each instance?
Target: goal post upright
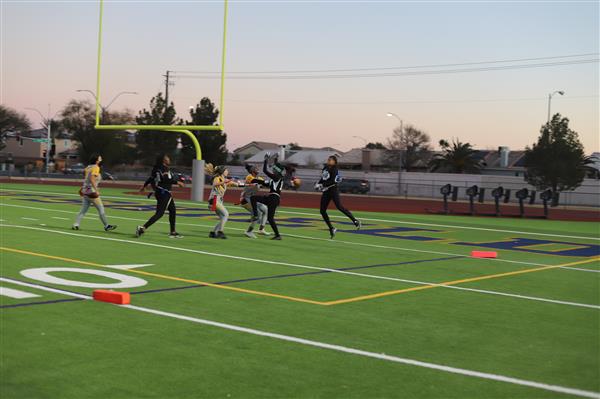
(198, 162)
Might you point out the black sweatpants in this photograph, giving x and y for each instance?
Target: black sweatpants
(272, 202)
(326, 198)
(164, 201)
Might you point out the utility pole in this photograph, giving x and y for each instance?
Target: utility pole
(391, 114)
(167, 84)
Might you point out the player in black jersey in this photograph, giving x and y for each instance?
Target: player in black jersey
(330, 177)
(162, 180)
(273, 198)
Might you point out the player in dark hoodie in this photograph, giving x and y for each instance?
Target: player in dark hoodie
(276, 177)
(161, 180)
(330, 177)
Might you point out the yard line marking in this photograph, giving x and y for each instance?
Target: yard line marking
(16, 294)
(44, 288)
(580, 269)
(518, 296)
(343, 217)
(222, 255)
(20, 305)
(454, 282)
(167, 277)
(336, 241)
(35, 220)
(59, 218)
(128, 267)
(343, 349)
(308, 267)
(451, 226)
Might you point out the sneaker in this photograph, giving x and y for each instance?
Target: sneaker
(212, 235)
(357, 224)
(109, 227)
(263, 232)
(332, 232)
(221, 235)
(277, 238)
(175, 235)
(139, 231)
(250, 234)
(74, 227)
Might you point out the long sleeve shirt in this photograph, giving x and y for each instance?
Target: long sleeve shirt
(275, 184)
(161, 179)
(330, 176)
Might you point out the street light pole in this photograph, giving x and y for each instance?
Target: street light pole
(550, 101)
(391, 114)
(48, 120)
(104, 109)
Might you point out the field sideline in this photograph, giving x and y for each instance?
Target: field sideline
(398, 308)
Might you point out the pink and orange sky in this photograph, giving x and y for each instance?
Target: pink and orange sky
(48, 51)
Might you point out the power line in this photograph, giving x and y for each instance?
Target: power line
(403, 101)
(392, 74)
(391, 68)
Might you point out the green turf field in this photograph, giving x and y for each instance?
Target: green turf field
(398, 309)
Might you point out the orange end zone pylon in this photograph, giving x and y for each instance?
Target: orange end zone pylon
(120, 298)
(484, 254)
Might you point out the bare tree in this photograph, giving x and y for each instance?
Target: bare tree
(12, 121)
(407, 146)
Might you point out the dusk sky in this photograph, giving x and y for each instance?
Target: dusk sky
(49, 51)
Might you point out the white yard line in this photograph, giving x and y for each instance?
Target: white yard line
(580, 269)
(334, 242)
(453, 226)
(44, 288)
(345, 272)
(59, 218)
(339, 348)
(343, 217)
(32, 219)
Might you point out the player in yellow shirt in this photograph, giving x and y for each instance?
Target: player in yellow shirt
(215, 199)
(251, 189)
(90, 193)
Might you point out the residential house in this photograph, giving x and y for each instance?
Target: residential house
(246, 151)
(30, 148)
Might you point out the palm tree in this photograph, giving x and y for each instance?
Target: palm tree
(456, 158)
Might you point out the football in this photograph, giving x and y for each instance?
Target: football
(296, 182)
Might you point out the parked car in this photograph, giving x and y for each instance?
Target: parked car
(108, 176)
(76, 169)
(354, 186)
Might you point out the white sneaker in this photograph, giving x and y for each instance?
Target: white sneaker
(264, 233)
(250, 234)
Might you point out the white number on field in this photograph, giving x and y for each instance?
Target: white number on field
(43, 274)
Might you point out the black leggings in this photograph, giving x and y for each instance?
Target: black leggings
(272, 202)
(164, 201)
(333, 194)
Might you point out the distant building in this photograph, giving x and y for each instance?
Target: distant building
(305, 158)
(364, 159)
(312, 159)
(246, 151)
(502, 162)
(27, 150)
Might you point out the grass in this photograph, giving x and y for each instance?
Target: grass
(82, 348)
